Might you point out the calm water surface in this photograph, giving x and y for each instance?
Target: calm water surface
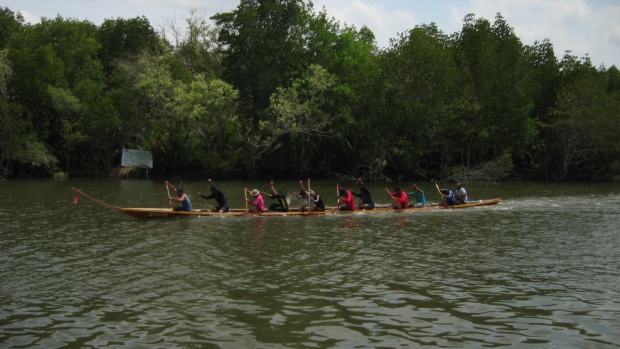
(539, 270)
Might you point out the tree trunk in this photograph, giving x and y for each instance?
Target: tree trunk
(301, 160)
(567, 159)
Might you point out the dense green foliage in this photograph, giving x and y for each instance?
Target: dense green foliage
(275, 89)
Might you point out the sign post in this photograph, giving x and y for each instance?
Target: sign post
(137, 158)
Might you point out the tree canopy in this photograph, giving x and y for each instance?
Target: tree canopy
(278, 89)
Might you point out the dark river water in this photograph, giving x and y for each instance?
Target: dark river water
(539, 270)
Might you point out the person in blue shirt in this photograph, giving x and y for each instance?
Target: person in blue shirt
(419, 196)
(447, 195)
(186, 205)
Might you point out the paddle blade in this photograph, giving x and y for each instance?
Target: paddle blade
(76, 198)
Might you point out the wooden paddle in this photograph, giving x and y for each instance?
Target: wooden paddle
(398, 204)
(203, 188)
(168, 190)
(245, 192)
(268, 185)
(437, 186)
(337, 198)
(295, 194)
(310, 208)
(337, 193)
(440, 194)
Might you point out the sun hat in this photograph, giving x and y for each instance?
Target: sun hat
(254, 192)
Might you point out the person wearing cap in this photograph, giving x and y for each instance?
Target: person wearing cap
(460, 194)
(447, 196)
(314, 201)
(317, 202)
(220, 198)
(400, 198)
(257, 202)
(419, 196)
(347, 199)
(368, 202)
(281, 205)
(186, 205)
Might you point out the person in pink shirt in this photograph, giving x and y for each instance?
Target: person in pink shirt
(400, 198)
(257, 202)
(347, 199)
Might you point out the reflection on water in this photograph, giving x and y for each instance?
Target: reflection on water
(539, 270)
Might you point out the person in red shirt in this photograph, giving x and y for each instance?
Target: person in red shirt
(347, 199)
(400, 198)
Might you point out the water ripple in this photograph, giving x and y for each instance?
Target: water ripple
(539, 270)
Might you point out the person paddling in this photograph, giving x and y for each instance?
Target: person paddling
(186, 205)
(460, 194)
(447, 196)
(313, 200)
(220, 198)
(304, 196)
(347, 199)
(257, 202)
(281, 205)
(317, 202)
(419, 196)
(400, 198)
(368, 202)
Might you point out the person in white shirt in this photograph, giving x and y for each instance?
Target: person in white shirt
(461, 194)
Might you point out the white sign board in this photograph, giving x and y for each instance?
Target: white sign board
(133, 157)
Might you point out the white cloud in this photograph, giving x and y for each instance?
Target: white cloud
(582, 26)
(609, 25)
(30, 18)
(385, 24)
(179, 3)
(573, 25)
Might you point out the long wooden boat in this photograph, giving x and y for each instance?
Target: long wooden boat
(143, 213)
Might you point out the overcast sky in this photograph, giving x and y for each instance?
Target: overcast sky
(581, 26)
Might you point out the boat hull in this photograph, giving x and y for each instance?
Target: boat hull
(149, 213)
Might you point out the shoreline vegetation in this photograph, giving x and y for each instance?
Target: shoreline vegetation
(279, 90)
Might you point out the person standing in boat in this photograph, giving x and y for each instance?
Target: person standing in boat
(281, 205)
(220, 198)
(186, 205)
(347, 199)
(419, 196)
(460, 194)
(368, 202)
(257, 202)
(447, 196)
(400, 198)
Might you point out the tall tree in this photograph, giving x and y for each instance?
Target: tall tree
(122, 38)
(417, 90)
(18, 142)
(491, 59)
(587, 118)
(299, 110)
(264, 49)
(10, 23)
